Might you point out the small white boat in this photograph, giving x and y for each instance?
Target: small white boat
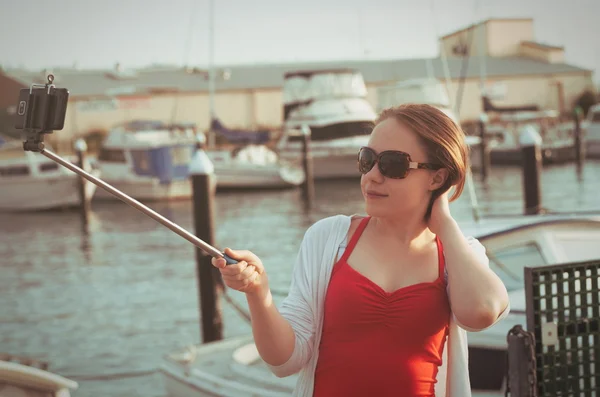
(24, 174)
(334, 105)
(232, 367)
(592, 133)
(251, 164)
(19, 380)
(254, 167)
(147, 160)
(427, 91)
(557, 137)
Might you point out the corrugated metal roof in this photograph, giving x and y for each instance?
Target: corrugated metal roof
(244, 77)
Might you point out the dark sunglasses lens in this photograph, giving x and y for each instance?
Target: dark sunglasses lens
(366, 160)
(394, 165)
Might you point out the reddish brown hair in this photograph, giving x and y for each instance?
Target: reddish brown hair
(443, 139)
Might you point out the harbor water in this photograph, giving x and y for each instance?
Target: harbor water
(103, 304)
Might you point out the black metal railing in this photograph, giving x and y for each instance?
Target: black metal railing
(563, 323)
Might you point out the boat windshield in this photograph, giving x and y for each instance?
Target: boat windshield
(112, 155)
(509, 263)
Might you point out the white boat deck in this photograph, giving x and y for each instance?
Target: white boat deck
(19, 380)
(232, 368)
(223, 370)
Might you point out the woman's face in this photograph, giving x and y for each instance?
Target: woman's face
(395, 198)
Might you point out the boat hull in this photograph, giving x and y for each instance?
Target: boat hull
(19, 380)
(147, 189)
(275, 177)
(339, 166)
(333, 166)
(207, 375)
(550, 155)
(331, 159)
(53, 192)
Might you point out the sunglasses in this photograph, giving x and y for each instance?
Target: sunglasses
(392, 163)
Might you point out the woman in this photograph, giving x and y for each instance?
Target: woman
(380, 304)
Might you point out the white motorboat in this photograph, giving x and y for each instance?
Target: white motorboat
(251, 164)
(147, 160)
(24, 174)
(20, 380)
(233, 368)
(333, 104)
(502, 137)
(429, 91)
(254, 167)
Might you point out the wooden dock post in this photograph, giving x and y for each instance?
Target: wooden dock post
(209, 279)
(308, 186)
(531, 143)
(84, 204)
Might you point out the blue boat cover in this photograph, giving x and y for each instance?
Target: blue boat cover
(240, 136)
(168, 163)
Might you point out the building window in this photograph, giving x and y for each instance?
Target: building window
(460, 49)
(112, 156)
(48, 167)
(17, 170)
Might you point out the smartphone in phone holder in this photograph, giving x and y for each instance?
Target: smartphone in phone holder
(41, 110)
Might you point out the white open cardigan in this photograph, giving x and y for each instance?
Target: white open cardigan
(303, 308)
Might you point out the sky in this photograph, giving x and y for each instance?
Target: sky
(39, 34)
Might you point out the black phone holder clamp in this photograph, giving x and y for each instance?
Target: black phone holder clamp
(41, 110)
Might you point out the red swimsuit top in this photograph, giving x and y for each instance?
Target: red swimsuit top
(380, 343)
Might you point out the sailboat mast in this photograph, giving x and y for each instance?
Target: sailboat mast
(446, 70)
(482, 62)
(211, 73)
(186, 60)
(482, 50)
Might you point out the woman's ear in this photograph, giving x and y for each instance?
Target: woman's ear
(439, 179)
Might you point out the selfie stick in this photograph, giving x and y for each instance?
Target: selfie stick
(35, 143)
